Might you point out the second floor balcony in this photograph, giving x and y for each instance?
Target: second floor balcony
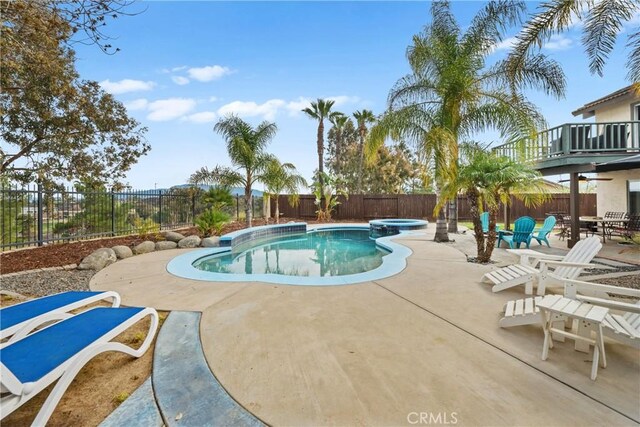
(576, 144)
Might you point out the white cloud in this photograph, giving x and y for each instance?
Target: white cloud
(343, 99)
(296, 107)
(505, 44)
(208, 73)
(183, 67)
(213, 99)
(558, 42)
(126, 85)
(266, 110)
(169, 109)
(137, 104)
(179, 80)
(202, 117)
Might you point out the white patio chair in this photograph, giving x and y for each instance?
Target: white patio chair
(59, 351)
(568, 267)
(624, 327)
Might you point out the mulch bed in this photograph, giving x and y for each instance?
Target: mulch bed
(61, 254)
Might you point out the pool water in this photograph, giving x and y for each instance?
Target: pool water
(322, 253)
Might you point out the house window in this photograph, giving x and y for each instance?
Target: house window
(634, 196)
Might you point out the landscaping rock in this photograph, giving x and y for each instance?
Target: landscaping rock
(189, 242)
(172, 236)
(122, 252)
(98, 259)
(161, 246)
(144, 247)
(210, 242)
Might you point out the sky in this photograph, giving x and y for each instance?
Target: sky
(184, 65)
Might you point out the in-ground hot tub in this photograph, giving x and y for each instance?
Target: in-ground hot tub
(391, 226)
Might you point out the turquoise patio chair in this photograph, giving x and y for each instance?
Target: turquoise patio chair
(543, 233)
(484, 220)
(522, 229)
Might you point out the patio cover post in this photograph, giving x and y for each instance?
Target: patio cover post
(574, 209)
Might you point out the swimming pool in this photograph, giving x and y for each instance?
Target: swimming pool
(320, 253)
(326, 255)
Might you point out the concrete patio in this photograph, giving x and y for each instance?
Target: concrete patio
(424, 341)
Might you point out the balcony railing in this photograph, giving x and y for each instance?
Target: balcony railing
(576, 138)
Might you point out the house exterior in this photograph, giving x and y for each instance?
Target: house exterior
(622, 192)
(608, 147)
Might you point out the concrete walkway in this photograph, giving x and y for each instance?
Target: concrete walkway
(381, 353)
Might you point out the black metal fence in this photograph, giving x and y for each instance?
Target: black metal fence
(35, 216)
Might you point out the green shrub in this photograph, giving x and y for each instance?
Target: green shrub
(145, 226)
(211, 221)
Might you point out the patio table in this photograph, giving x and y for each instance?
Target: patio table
(604, 222)
(590, 318)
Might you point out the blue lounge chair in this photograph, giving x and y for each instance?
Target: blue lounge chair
(56, 353)
(53, 307)
(543, 233)
(522, 229)
(484, 220)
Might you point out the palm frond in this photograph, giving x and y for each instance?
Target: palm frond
(601, 28)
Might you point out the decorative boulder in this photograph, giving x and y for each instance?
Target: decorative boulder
(161, 246)
(144, 247)
(210, 242)
(172, 236)
(98, 259)
(189, 242)
(122, 252)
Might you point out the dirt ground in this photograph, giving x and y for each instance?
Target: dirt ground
(103, 384)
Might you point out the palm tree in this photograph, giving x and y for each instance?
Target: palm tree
(283, 177)
(488, 180)
(362, 118)
(451, 94)
(339, 121)
(246, 149)
(320, 110)
(603, 21)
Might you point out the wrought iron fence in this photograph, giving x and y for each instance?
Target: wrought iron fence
(35, 216)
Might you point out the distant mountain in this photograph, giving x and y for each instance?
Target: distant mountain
(235, 191)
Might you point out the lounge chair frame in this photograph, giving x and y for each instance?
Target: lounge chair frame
(20, 393)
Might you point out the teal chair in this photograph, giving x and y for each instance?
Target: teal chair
(484, 220)
(543, 233)
(522, 229)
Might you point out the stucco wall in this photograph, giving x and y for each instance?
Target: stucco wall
(612, 195)
(620, 112)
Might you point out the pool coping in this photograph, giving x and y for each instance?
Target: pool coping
(392, 263)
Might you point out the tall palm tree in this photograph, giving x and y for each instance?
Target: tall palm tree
(339, 121)
(246, 148)
(451, 93)
(363, 118)
(488, 180)
(283, 177)
(603, 21)
(320, 110)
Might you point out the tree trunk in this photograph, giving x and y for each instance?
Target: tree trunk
(441, 226)
(321, 153)
(474, 210)
(453, 215)
(277, 209)
(247, 205)
(360, 161)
